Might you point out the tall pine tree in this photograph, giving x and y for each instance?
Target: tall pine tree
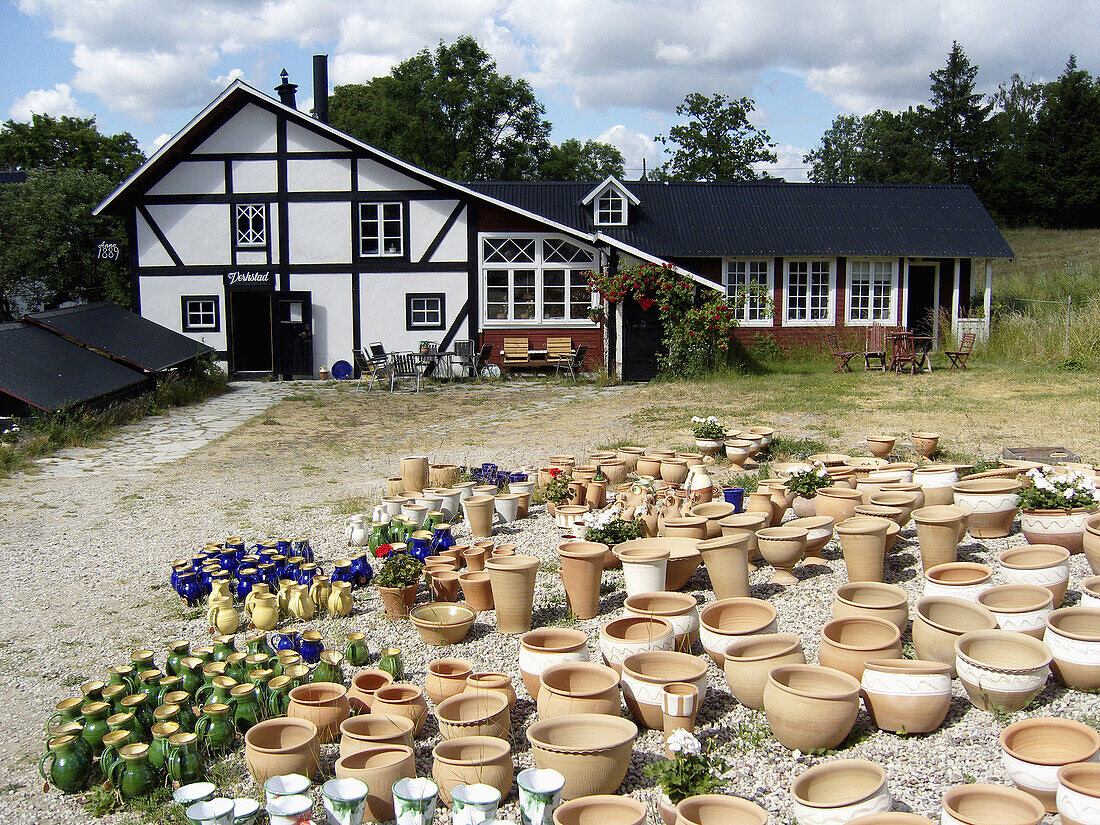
(957, 123)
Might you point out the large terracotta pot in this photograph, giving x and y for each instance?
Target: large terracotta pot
(872, 599)
(990, 805)
(477, 590)
(357, 733)
(1033, 751)
(847, 643)
(282, 746)
(325, 704)
(1090, 542)
(991, 503)
(674, 470)
(713, 512)
(1078, 795)
(645, 675)
(624, 637)
(648, 466)
(688, 527)
(379, 766)
(937, 481)
(678, 609)
(940, 528)
(545, 647)
(924, 442)
(414, 473)
(958, 579)
(782, 548)
(1066, 528)
(880, 445)
(643, 566)
(469, 760)
(629, 456)
(810, 707)
(402, 700)
(581, 571)
(899, 499)
(513, 580)
(738, 451)
(479, 511)
(578, 687)
(1001, 669)
(911, 695)
(470, 714)
(719, 809)
(490, 682)
(591, 750)
(446, 678)
(838, 502)
(1020, 607)
(749, 659)
(938, 621)
(1046, 565)
(839, 790)
(819, 532)
(603, 808)
(1073, 636)
(745, 524)
(363, 686)
(727, 620)
(863, 543)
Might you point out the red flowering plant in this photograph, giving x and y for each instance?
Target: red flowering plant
(383, 550)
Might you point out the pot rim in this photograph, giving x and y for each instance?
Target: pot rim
(531, 640)
(1067, 777)
(735, 601)
(641, 555)
(1056, 615)
(493, 697)
(965, 605)
(403, 724)
(1043, 598)
(497, 748)
(938, 514)
(987, 486)
(282, 722)
(874, 621)
(304, 692)
(633, 620)
(1071, 511)
(951, 794)
(582, 549)
(902, 598)
(401, 752)
(595, 723)
(409, 692)
(1007, 637)
(687, 660)
(842, 766)
(687, 603)
(433, 667)
(723, 542)
(792, 641)
(840, 679)
(973, 566)
(741, 805)
(1057, 723)
(922, 667)
(610, 675)
(1049, 549)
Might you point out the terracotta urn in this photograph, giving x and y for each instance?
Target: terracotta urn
(1078, 794)
(1046, 565)
(910, 695)
(591, 750)
(810, 707)
(838, 502)
(282, 746)
(863, 543)
(746, 523)
(958, 579)
(581, 570)
(645, 674)
(477, 590)
(719, 809)
(604, 808)
(760, 501)
(1034, 750)
(469, 760)
(1001, 669)
(442, 623)
(578, 687)
(782, 548)
(940, 528)
(1073, 636)
(402, 700)
(847, 643)
(781, 498)
(726, 620)
(749, 659)
(839, 790)
(819, 532)
(513, 581)
(979, 804)
(358, 733)
(447, 678)
(414, 473)
(872, 599)
(924, 442)
(545, 647)
(1020, 607)
(804, 507)
(624, 637)
(678, 609)
(937, 482)
(1066, 528)
(674, 470)
(880, 445)
(938, 621)
(325, 704)
(471, 714)
(991, 503)
(689, 527)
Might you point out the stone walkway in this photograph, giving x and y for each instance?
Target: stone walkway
(163, 439)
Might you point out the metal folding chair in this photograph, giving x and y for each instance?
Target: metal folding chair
(465, 356)
(404, 365)
(574, 364)
(370, 367)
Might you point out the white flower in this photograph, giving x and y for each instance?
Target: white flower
(697, 420)
(684, 742)
(713, 420)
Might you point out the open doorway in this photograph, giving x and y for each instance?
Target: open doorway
(250, 327)
(923, 303)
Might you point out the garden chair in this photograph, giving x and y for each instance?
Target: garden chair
(377, 350)
(904, 355)
(369, 367)
(573, 364)
(404, 365)
(465, 356)
(958, 357)
(517, 353)
(840, 356)
(875, 347)
(483, 359)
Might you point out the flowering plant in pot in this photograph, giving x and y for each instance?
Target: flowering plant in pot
(557, 491)
(607, 527)
(804, 484)
(710, 428)
(1055, 506)
(397, 583)
(691, 770)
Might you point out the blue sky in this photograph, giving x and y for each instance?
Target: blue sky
(607, 69)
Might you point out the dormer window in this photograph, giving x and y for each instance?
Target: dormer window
(610, 208)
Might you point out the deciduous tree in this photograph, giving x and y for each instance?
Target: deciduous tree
(68, 142)
(717, 142)
(573, 160)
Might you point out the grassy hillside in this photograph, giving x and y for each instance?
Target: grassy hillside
(1050, 264)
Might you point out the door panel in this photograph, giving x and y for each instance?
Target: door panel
(642, 335)
(922, 298)
(250, 321)
(295, 313)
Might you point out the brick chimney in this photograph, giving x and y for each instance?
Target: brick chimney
(286, 90)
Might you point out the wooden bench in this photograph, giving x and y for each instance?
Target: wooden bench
(558, 350)
(517, 355)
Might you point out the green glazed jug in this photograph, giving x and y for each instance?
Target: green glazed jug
(236, 667)
(69, 768)
(209, 671)
(75, 729)
(65, 711)
(158, 748)
(329, 668)
(260, 679)
(254, 662)
(140, 706)
(184, 761)
(218, 692)
(278, 696)
(246, 708)
(142, 660)
(112, 743)
(114, 694)
(356, 651)
(299, 674)
(95, 724)
(167, 713)
(257, 643)
(124, 675)
(215, 728)
(390, 661)
(125, 722)
(204, 654)
(189, 670)
(132, 775)
(186, 716)
(379, 534)
(93, 691)
(149, 682)
(167, 684)
(177, 649)
(223, 647)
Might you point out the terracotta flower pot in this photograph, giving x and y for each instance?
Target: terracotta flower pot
(623, 637)
(727, 620)
(1001, 669)
(678, 609)
(911, 695)
(674, 470)
(689, 527)
(782, 548)
(719, 809)
(445, 586)
(471, 714)
(810, 707)
(958, 579)
(1020, 607)
(863, 543)
(440, 623)
(937, 481)
(749, 659)
(581, 573)
(713, 512)
(745, 524)
(396, 601)
(379, 766)
(545, 647)
(603, 808)
(906, 502)
(924, 442)
(1073, 636)
(644, 675)
(402, 700)
(839, 790)
(938, 621)
(474, 557)
(629, 456)
(363, 686)
(490, 682)
(727, 560)
(282, 746)
(414, 473)
(513, 581)
(738, 451)
(477, 590)
(880, 445)
(1046, 565)
(358, 733)
(990, 805)
(1078, 795)
(991, 503)
(447, 678)
(838, 502)
(578, 687)
(940, 528)
(846, 644)
(1065, 528)
(819, 532)
(325, 704)
(592, 751)
(469, 760)
(872, 599)
(479, 511)
(1033, 751)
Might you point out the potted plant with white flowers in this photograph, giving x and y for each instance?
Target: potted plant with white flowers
(690, 770)
(710, 435)
(1053, 508)
(804, 483)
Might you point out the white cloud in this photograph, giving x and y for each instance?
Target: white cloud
(223, 80)
(158, 141)
(57, 101)
(635, 147)
(142, 83)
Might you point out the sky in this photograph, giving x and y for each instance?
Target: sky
(610, 70)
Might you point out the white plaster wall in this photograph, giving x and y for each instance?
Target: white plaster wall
(255, 176)
(373, 176)
(252, 129)
(251, 258)
(199, 233)
(160, 302)
(382, 306)
(333, 175)
(454, 246)
(193, 178)
(319, 232)
(332, 333)
(301, 139)
(426, 218)
(150, 250)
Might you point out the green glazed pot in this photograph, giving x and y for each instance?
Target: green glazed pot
(95, 724)
(118, 722)
(257, 643)
(142, 707)
(392, 663)
(168, 684)
(189, 670)
(246, 708)
(93, 691)
(329, 668)
(236, 666)
(278, 696)
(149, 683)
(158, 748)
(65, 711)
(75, 729)
(112, 743)
(69, 769)
(132, 775)
(114, 694)
(356, 651)
(185, 764)
(124, 675)
(223, 648)
(177, 650)
(203, 654)
(215, 728)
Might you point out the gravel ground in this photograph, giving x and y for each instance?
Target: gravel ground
(87, 568)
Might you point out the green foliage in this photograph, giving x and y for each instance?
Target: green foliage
(709, 427)
(689, 774)
(958, 128)
(68, 143)
(807, 482)
(614, 532)
(697, 340)
(573, 160)
(717, 142)
(451, 112)
(557, 489)
(1052, 490)
(399, 570)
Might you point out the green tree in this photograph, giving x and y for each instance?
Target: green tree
(573, 160)
(894, 149)
(1009, 188)
(50, 251)
(837, 158)
(957, 123)
(69, 143)
(450, 112)
(717, 142)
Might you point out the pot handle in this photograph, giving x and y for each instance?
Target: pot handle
(49, 722)
(42, 764)
(172, 760)
(117, 767)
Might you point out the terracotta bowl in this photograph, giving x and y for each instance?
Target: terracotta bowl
(548, 646)
(840, 789)
(469, 760)
(363, 686)
(846, 644)
(725, 620)
(678, 609)
(359, 732)
(939, 620)
(810, 707)
(282, 746)
(605, 809)
(578, 687)
(1073, 636)
(592, 751)
(441, 623)
(474, 714)
(1033, 750)
(325, 704)
(1001, 669)
(750, 659)
(1078, 795)
(379, 766)
(1020, 607)
(719, 809)
(623, 637)
(646, 674)
(990, 805)
(911, 695)
(872, 599)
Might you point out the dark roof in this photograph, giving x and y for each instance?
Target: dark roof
(778, 218)
(12, 176)
(121, 335)
(48, 372)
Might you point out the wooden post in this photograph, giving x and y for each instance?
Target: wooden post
(903, 310)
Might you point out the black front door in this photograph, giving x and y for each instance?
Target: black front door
(295, 334)
(922, 298)
(250, 330)
(642, 334)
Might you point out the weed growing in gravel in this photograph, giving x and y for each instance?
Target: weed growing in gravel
(226, 773)
(73, 679)
(352, 504)
(748, 736)
(785, 447)
(156, 807)
(860, 732)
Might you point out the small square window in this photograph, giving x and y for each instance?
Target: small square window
(610, 208)
(381, 230)
(425, 311)
(200, 313)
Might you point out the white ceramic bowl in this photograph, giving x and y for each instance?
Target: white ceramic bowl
(292, 784)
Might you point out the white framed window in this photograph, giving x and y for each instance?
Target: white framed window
(250, 223)
(808, 293)
(381, 230)
(749, 282)
(531, 279)
(200, 313)
(610, 208)
(872, 285)
(425, 310)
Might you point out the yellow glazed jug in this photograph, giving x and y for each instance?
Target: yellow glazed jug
(219, 590)
(286, 588)
(319, 591)
(299, 604)
(264, 612)
(339, 600)
(258, 589)
(222, 617)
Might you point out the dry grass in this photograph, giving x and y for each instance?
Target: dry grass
(1050, 264)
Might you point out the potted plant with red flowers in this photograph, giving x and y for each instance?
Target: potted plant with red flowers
(397, 583)
(557, 490)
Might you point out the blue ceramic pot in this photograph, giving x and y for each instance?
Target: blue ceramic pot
(361, 570)
(246, 577)
(736, 497)
(311, 650)
(344, 573)
(287, 640)
(441, 539)
(301, 548)
(228, 560)
(419, 547)
(190, 589)
(283, 546)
